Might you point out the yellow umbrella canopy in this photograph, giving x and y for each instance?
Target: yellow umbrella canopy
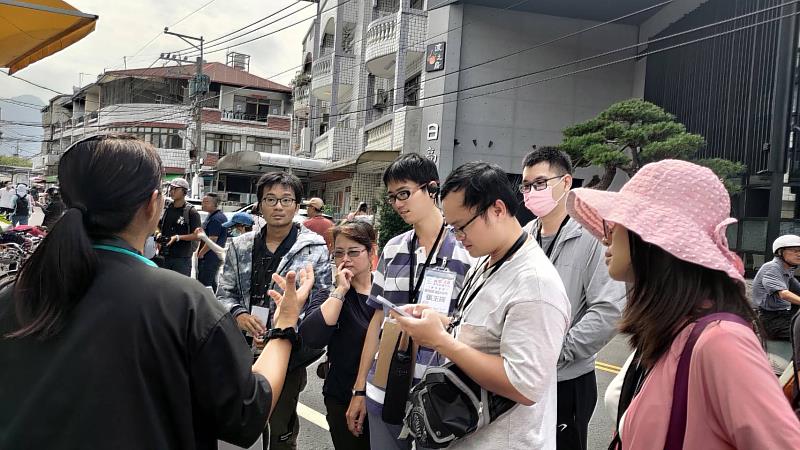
(35, 29)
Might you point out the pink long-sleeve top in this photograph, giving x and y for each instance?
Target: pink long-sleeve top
(735, 401)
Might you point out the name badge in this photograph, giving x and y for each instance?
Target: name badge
(437, 289)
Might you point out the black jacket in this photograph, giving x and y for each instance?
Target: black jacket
(148, 360)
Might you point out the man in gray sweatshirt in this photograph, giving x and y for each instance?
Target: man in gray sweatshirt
(596, 299)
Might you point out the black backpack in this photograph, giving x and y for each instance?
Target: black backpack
(21, 207)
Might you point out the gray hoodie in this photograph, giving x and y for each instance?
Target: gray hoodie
(596, 299)
(233, 290)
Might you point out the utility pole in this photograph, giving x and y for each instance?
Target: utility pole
(198, 87)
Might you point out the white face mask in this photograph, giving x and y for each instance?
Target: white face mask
(235, 232)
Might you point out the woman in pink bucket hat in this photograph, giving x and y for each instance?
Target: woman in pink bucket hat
(699, 378)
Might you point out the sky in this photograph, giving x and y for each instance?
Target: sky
(125, 27)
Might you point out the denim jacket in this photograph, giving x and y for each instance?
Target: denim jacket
(233, 289)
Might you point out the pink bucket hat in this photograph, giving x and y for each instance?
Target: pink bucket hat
(681, 207)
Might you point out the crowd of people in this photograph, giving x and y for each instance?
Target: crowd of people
(470, 332)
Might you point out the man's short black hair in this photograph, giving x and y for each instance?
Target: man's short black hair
(411, 167)
(483, 184)
(558, 160)
(283, 178)
(214, 197)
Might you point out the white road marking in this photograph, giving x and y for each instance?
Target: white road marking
(313, 416)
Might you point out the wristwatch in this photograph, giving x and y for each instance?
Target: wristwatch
(283, 333)
(337, 295)
(359, 393)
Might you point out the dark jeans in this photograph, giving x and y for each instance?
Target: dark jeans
(284, 425)
(341, 436)
(180, 265)
(778, 323)
(576, 401)
(207, 270)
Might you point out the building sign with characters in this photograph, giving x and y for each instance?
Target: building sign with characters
(434, 57)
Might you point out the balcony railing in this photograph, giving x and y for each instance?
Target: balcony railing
(239, 115)
(382, 42)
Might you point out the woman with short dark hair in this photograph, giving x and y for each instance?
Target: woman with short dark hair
(339, 320)
(101, 349)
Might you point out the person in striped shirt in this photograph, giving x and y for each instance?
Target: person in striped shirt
(412, 186)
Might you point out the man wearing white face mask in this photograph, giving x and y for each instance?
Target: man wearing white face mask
(596, 299)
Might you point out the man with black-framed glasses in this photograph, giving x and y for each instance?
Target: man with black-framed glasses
(596, 300)
(251, 260)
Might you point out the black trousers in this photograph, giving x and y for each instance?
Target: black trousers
(576, 402)
(341, 436)
(180, 265)
(777, 324)
(207, 270)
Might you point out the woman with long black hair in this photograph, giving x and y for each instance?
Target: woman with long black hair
(100, 349)
(699, 377)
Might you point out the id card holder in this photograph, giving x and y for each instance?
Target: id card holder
(437, 289)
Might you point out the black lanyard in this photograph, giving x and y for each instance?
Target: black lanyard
(550, 247)
(412, 294)
(461, 302)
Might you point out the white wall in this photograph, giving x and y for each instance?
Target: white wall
(533, 115)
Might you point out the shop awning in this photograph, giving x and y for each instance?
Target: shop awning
(370, 161)
(261, 162)
(35, 29)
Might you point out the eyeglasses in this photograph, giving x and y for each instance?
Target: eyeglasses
(339, 254)
(285, 202)
(459, 232)
(537, 185)
(401, 195)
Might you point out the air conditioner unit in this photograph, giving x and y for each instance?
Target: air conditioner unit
(381, 99)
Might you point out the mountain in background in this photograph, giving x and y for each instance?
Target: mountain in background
(12, 116)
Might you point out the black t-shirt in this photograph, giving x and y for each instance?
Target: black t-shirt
(265, 263)
(344, 340)
(175, 222)
(147, 360)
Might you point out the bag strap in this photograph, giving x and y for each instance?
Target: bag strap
(680, 393)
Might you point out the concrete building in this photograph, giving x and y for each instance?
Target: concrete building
(462, 80)
(242, 113)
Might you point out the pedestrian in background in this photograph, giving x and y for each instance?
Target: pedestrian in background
(23, 205)
(318, 223)
(339, 320)
(239, 224)
(776, 292)
(54, 207)
(113, 352)
(7, 194)
(700, 378)
(177, 229)
(208, 263)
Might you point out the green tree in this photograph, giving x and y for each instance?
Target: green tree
(390, 224)
(15, 161)
(632, 133)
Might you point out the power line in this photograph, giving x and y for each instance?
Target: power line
(217, 39)
(193, 12)
(271, 32)
(525, 50)
(34, 84)
(571, 63)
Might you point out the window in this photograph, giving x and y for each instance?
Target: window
(267, 145)
(223, 144)
(251, 108)
(411, 91)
